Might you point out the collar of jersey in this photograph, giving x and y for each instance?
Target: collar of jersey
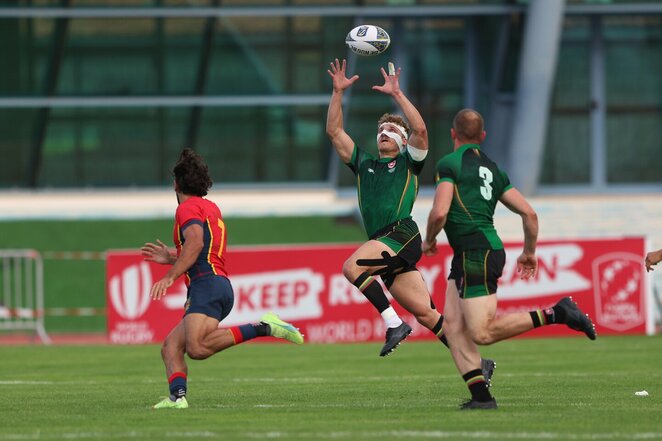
(464, 147)
(388, 159)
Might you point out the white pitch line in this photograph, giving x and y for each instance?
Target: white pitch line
(39, 435)
(307, 406)
(303, 380)
(204, 434)
(23, 382)
(41, 383)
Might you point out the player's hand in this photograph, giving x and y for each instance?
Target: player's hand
(429, 248)
(652, 259)
(338, 74)
(159, 288)
(391, 81)
(156, 253)
(527, 265)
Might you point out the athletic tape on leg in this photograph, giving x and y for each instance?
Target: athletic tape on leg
(390, 263)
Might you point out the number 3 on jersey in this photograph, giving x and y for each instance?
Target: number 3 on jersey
(486, 188)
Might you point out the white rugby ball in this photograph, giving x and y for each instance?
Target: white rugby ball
(367, 40)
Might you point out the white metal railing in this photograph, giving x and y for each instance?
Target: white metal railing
(22, 292)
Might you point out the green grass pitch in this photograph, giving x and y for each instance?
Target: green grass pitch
(547, 389)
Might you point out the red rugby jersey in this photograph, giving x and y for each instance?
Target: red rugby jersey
(211, 260)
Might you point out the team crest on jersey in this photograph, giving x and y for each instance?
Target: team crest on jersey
(391, 164)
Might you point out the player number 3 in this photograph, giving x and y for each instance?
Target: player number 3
(486, 188)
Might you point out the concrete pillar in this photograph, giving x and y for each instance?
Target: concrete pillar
(537, 68)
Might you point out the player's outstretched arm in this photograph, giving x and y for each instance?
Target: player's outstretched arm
(527, 263)
(443, 197)
(335, 130)
(652, 259)
(419, 133)
(158, 253)
(193, 243)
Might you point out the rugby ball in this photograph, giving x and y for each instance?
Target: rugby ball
(367, 40)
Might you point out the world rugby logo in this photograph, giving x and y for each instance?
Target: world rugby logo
(129, 291)
(618, 285)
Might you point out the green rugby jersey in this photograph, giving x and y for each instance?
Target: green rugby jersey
(479, 183)
(387, 187)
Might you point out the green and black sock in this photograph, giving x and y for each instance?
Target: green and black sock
(438, 330)
(477, 385)
(549, 316)
(373, 291)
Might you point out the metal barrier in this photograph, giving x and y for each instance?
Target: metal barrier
(22, 292)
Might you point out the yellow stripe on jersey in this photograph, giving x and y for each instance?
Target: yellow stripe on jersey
(358, 187)
(221, 225)
(211, 245)
(179, 236)
(404, 191)
(487, 290)
(459, 200)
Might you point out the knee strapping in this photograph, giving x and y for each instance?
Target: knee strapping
(390, 264)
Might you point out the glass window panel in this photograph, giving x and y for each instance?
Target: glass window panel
(633, 147)
(634, 87)
(33, 40)
(105, 147)
(16, 126)
(265, 144)
(567, 154)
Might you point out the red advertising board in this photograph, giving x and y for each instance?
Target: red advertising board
(305, 286)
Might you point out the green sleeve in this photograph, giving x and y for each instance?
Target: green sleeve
(506, 182)
(445, 171)
(416, 167)
(355, 161)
